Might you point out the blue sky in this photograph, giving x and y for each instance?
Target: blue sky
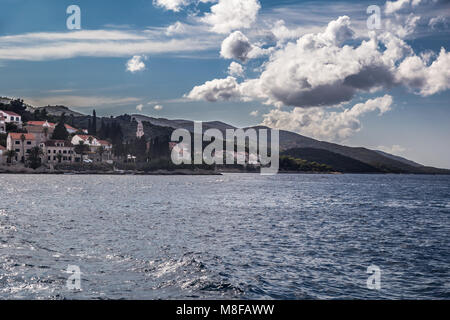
(185, 73)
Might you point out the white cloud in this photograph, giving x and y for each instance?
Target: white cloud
(136, 64)
(324, 69)
(323, 124)
(398, 5)
(229, 15)
(237, 46)
(80, 101)
(158, 107)
(214, 90)
(174, 5)
(438, 23)
(428, 80)
(394, 149)
(235, 70)
(176, 28)
(100, 43)
(281, 32)
(139, 107)
(254, 113)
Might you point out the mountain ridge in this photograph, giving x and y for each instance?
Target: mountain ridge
(382, 161)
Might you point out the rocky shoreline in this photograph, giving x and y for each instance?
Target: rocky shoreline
(179, 172)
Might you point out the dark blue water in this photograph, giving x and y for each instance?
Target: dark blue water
(235, 236)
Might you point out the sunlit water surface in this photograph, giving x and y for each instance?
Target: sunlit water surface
(239, 236)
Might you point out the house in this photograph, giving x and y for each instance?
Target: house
(58, 151)
(2, 124)
(44, 129)
(89, 140)
(11, 117)
(95, 153)
(21, 143)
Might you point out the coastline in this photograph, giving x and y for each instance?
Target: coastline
(160, 172)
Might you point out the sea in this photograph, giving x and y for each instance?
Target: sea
(235, 236)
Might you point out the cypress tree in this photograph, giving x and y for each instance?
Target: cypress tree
(94, 123)
(60, 132)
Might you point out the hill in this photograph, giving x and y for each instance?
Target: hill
(336, 161)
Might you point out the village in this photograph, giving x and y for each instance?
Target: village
(36, 142)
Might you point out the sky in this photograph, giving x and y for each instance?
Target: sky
(338, 71)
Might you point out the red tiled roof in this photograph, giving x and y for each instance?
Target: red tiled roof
(39, 123)
(85, 137)
(51, 124)
(52, 143)
(10, 113)
(104, 142)
(17, 136)
(70, 127)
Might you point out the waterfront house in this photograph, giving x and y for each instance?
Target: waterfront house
(99, 150)
(11, 117)
(89, 140)
(58, 151)
(43, 130)
(21, 143)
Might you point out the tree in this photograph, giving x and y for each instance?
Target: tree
(10, 154)
(81, 148)
(23, 138)
(94, 123)
(34, 157)
(101, 150)
(46, 132)
(59, 157)
(60, 132)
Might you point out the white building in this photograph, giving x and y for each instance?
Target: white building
(89, 140)
(21, 143)
(140, 130)
(11, 117)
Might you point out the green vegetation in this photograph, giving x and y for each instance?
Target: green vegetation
(83, 167)
(288, 163)
(34, 157)
(60, 132)
(3, 137)
(336, 161)
(81, 148)
(10, 154)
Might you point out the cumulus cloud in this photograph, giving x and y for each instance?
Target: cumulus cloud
(323, 124)
(136, 64)
(428, 80)
(398, 5)
(158, 107)
(139, 107)
(214, 90)
(173, 5)
(326, 69)
(235, 70)
(237, 46)
(254, 113)
(281, 32)
(175, 28)
(229, 15)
